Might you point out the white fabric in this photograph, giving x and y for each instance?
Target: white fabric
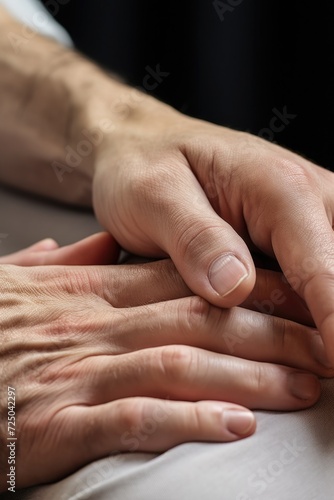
(291, 456)
(34, 15)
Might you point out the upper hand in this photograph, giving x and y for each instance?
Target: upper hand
(168, 184)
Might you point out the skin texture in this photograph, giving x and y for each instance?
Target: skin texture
(162, 183)
(101, 355)
(115, 358)
(198, 192)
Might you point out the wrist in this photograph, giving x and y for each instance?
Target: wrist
(116, 117)
(36, 117)
(65, 112)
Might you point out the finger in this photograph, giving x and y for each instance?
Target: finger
(273, 295)
(211, 257)
(154, 425)
(133, 285)
(43, 245)
(85, 434)
(237, 331)
(191, 374)
(306, 257)
(99, 249)
(21, 257)
(299, 227)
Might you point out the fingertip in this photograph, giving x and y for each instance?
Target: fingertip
(44, 245)
(228, 422)
(239, 422)
(97, 249)
(305, 387)
(231, 279)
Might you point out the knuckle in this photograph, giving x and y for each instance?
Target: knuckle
(197, 417)
(259, 379)
(191, 240)
(131, 412)
(91, 432)
(280, 329)
(297, 173)
(177, 361)
(195, 313)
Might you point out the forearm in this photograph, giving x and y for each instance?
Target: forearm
(56, 109)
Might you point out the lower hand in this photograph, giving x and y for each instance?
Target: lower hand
(121, 358)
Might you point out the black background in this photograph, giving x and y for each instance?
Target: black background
(263, 55)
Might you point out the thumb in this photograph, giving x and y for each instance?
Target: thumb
(211, 257)
(213, 260)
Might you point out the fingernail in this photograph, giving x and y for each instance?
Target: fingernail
(238, 422)
(48, 244)
(303, 385)
(226, 273)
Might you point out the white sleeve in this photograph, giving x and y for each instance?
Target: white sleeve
(35, 16)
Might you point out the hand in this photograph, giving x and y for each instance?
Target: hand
(163, 183)
(166, 184)
(119, 358)
(100, 249)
